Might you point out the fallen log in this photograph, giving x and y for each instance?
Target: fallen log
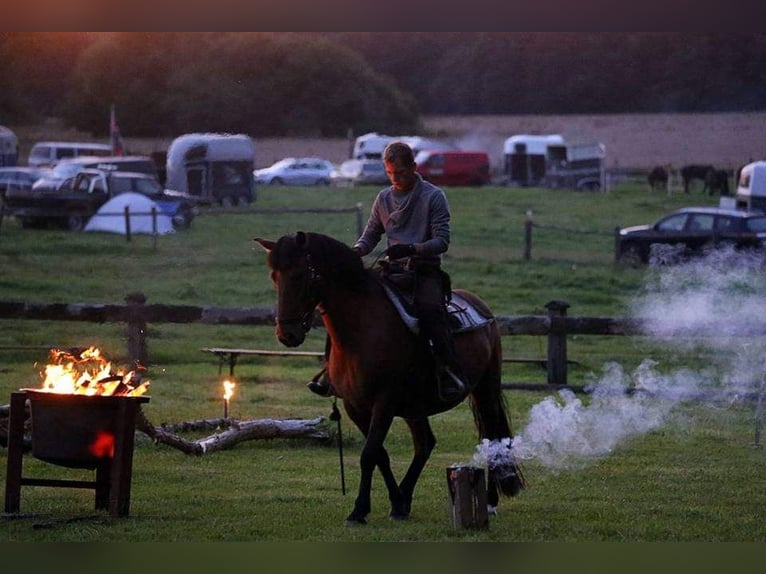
(236, 432)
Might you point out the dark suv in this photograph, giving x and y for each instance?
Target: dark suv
(691, 231)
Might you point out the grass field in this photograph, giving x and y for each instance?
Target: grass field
(695, 476)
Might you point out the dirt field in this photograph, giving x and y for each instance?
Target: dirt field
(638, 141)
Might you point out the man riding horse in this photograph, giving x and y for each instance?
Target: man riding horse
(415, 216)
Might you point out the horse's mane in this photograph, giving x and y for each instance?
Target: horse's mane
(332, 259)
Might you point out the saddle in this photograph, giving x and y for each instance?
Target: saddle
(461, 314)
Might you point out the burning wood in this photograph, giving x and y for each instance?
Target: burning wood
(89, 373)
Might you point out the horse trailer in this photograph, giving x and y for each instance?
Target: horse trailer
(552, 161)
(751, 187)
(213, 168)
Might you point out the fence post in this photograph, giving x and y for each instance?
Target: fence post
(616, 244)
(557, 343)
(359, 223)
(138, 354)
(127, 224)
(528, 237)
(154, 227)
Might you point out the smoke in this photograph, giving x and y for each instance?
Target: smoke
(713, 304)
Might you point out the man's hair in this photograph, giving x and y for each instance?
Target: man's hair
(398, 151)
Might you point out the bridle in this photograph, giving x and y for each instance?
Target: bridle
(311, 291)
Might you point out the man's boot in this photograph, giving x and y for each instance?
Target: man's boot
(320, 384)
(451, 384)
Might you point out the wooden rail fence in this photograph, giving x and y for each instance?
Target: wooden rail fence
(136, 313)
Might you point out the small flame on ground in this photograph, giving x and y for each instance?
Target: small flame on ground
(89, 373)
(228, 389)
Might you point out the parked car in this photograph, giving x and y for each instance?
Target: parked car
(296, 171)
(692, 231)
(76, 199)
(359, 172)
(20, 177)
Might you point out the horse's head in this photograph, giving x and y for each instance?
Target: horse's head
(296, 281)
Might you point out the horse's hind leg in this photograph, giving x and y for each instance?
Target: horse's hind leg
(423, 443)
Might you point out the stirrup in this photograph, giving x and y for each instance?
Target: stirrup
(450, 387)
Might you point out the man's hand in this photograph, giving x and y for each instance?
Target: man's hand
(400, 250)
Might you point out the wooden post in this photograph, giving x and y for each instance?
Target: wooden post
(528, 237)
(138, 354)
(15, 452)
(154, 227)
(468, 497)
(127, 224)
(557, 343)
(616, 244)
(359, 220)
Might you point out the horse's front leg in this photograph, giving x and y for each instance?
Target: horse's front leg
(373, 454)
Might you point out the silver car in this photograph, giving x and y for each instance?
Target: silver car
(296, 171)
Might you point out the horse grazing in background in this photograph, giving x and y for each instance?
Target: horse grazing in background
(658, 178)
(380, 368)
(692, 172)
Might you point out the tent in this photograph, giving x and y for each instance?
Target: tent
(111, 216)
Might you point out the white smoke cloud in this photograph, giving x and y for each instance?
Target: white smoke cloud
(704, 303)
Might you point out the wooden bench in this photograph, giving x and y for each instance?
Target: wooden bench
(230, 356)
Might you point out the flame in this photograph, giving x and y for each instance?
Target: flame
(228, 389)
(90, 373)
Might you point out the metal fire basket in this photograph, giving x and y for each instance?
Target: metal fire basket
(75, 431)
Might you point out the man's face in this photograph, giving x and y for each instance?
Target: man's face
(401, 175)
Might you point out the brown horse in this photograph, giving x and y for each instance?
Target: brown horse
(379, 368)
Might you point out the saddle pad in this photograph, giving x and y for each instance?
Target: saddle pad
(462, 315)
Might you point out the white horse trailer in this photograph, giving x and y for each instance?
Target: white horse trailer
(751, 187)
(552, 161)
(213, 168)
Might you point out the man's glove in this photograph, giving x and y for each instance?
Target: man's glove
(400, 250)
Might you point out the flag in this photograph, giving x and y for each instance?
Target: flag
(114, 134)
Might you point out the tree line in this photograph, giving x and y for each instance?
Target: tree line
(327, 84)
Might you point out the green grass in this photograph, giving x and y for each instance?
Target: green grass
(696, 478)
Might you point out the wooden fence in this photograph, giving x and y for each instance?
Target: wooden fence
(136, 313)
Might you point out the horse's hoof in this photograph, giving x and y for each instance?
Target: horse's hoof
(491, 510)
(398, 517)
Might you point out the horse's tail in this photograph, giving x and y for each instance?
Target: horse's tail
(490, 412)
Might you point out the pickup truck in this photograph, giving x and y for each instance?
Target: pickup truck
(76, 199)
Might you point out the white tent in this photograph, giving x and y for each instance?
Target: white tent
(111, 216)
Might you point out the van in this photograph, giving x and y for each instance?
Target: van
(751, 187)
(446, 167)
(371, 145)
(47, 154)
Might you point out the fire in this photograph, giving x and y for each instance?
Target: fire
(228, 389)
(90, 373)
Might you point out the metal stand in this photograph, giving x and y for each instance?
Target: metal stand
(113, 478)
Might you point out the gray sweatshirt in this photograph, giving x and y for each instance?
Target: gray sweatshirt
(420, 216)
